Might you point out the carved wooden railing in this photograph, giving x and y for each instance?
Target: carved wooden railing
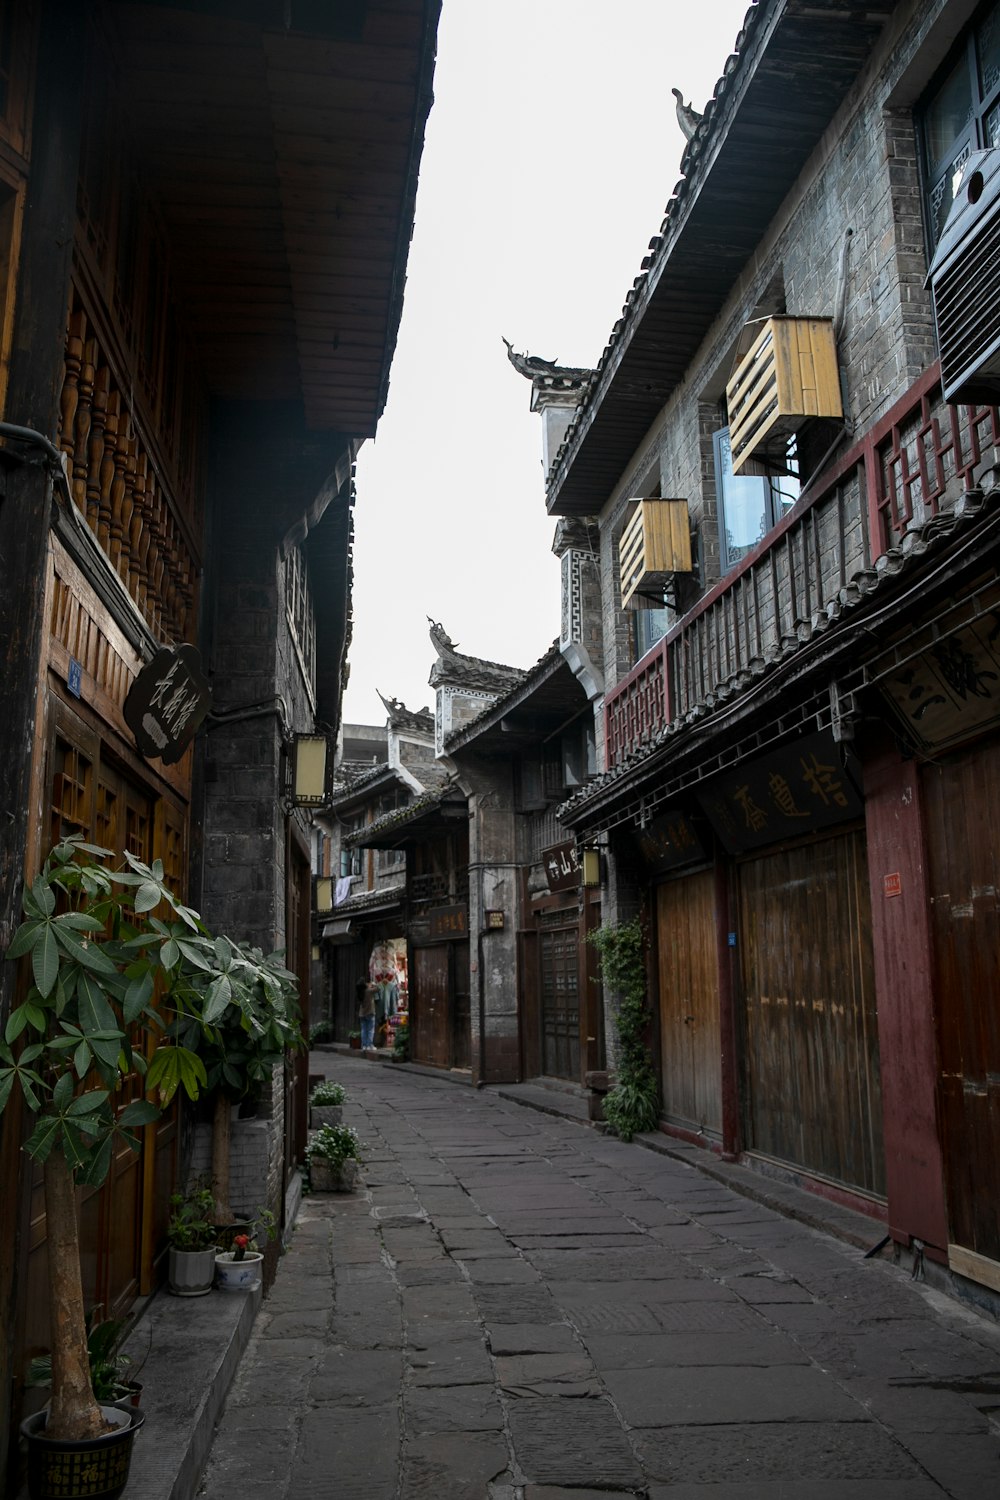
(119, 491)
(913, 463)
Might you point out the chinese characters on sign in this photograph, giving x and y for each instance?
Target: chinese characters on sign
(562, 866)
(953, 686)
(669, 841)
(493, 921)
(449, 921)
(167, 702)
(797, 789)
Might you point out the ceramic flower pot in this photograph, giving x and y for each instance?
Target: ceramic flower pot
(333, 1177)
(191, 1272)
(232, 1275)
(325, 1114)
(86, 1466)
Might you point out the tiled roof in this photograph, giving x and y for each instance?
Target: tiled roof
(399, 817)
(517, 692)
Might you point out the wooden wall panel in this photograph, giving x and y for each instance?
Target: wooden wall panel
(963, 838)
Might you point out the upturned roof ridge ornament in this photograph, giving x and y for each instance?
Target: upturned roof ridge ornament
(533, 367)
(687, 118)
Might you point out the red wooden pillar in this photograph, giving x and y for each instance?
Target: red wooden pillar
(901, 942)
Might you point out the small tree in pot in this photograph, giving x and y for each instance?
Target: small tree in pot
(98, 956)
(245, 1020)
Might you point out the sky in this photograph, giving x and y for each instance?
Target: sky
(551, 151)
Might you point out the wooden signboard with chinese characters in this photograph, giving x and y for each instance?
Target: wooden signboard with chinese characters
(449, 922)
(795, 790)
(562, 866)
(167, 702)
(670, 841)
(950, 690)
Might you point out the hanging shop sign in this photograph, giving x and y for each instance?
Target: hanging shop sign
(449, 921)
(167, 703)
(801, 788)
(669, 841)
(951, 689)
(562, 866)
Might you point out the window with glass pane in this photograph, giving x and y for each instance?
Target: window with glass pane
(748, 504)
(960, 114)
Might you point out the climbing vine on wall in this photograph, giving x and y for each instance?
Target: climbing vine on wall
(633, 1104)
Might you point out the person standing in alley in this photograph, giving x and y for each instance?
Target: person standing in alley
(366, 1014)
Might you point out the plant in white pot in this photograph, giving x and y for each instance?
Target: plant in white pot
(326, 1104)
(71, 1052)
(191, 1235)
(239, 1268)
(334, 1157)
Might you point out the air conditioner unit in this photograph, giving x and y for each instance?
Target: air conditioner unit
(965, 278)
(785, 373)
(655, 544)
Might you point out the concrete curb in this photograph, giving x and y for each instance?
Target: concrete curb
(189, 1349)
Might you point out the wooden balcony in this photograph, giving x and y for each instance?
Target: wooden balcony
(912, 464)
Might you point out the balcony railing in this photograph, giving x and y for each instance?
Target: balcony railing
(916, 461)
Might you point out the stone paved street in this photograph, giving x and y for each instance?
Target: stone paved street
(517, 1307)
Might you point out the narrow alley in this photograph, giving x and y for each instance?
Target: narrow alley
(516, 1307)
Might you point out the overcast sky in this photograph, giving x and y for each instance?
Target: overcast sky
(551, 151)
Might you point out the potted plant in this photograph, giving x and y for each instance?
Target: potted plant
(191, 1235)
(246, 1020)
(111, 1371)
(401, 1042)
(354, 1040)
(97, 957)
(326, 1104)
(334, 1155)
(238, 1268)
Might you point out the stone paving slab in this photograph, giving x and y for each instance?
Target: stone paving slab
(453, 1466)
(505, 1313)
(773, 1452)
(618, 1351)
(662, 1397)
(457, 1408)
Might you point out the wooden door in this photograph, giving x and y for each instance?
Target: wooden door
(963, 839)
(430, 1018)
(690, 1040)
(560, 1001)
(812, 1091)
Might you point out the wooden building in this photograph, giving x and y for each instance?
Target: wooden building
(205, 212)
(799, 722)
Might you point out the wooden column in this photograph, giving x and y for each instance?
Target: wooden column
(33, 396)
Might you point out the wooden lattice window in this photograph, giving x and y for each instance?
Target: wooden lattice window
(72, 792)
(300, 613)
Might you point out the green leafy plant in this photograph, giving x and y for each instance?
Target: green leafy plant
(321, 1031)
(109, 1368)
(126, 984)
(401, 1042)
(191, 1225)
(334, 1143)
(632, 1105)
(328, 1093)
(248, 1019)
(98, 955)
